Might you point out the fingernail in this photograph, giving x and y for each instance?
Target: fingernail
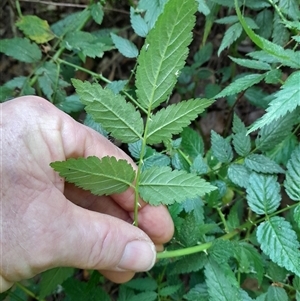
(138, 256)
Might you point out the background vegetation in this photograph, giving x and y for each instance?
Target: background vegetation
(213, 91)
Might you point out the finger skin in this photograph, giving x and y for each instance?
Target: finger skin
(47, 223)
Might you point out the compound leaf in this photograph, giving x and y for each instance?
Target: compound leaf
(112, 111)
(101, 176)
(21, 49)
(241, 84)
(261, 163)
(279, 241)
(286, 100)
(221, 148)
(159, 62)
(35, 29)
(161, 185)
(263, 193)
(173, 119)
(125, 47)
(292, 181)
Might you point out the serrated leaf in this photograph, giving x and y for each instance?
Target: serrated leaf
(166, 59)
(241, 84)
(191, 143)
(189, 233)
(221, 148)
(263, 19)
(261, 163)
(195, 206)
(203, 7)
(138, 24)
(220, 287)
(169, 290)
(52, 278)
(199, 166)
(252, 64)
(279, 241)
(145, 296)
(275, 132)
(21, 50)
(117, 85)
(22, 83)
(173, 119)
(125, 47)
(286, 100)
(112, 111)
(273, 76)
(35, 29)
(242, 144)
(97, 12)
(70, 104)
(199, 292)
(276, 293)
(292, 181)
(90, 122)
(85, 43)
(230, 36)
(188, 264)
(142, 284)
(161, 185)
(263, 193)
(238, 174)
(101, 176)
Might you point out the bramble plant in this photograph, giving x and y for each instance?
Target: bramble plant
(235, 204)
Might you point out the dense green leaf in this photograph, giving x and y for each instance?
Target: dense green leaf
(145, 296)
(199, 166)
(261, 163)
(86, 43)
(125, 47)
(101, 176)
(70, 104)
(253, 64)
(97, 12)
(263, 19)
(242, 143)
(279, 241)
(169, 290)
(188, 264)
(241, 84)
(22, 83)
(292, 181)
(239, 174)
(142, 284)
(189, 233)
(230, 36)
(263, 193)
(52, 278)
(21, 49)
(221, 148)
(35, 29)
(195, 206)
(117, 85)
(276, 293)
(219, 285)
(156, 159)
(192, 143)
(275, 132)
(286, 100)
(173, 119)
(161, 185)
(154, 84)
(112, 111)
(199, 292)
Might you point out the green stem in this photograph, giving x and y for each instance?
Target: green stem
(223, 219)
(19, 9)
(28, 292)
(204, 247)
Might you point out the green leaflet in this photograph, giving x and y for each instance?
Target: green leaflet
(279, 241)
(101, 176)
(164, 52)
(261, 163)
(230, 36)
(292, 181)
(263, 193)
(191, 143)
(52, 278)
(239, 174)
(21, 49)
(97, 12)
(173, 119)
(161, 185)
(241, 84)
(112, 111)
(287, 99)
(125, 47)
(254, 64)
(142, 284)
(241, 141)
(220, 286)
(276, 293)
(35, 29)
(221, 148)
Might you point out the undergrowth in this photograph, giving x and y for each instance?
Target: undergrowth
(234, 199)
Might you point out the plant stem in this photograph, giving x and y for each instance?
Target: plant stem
(206, 246)
(28, 292)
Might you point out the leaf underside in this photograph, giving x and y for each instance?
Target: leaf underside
(100, 176)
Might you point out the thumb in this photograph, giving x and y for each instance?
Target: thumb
(91, 240)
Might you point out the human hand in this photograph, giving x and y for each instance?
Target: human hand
(45, 222)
